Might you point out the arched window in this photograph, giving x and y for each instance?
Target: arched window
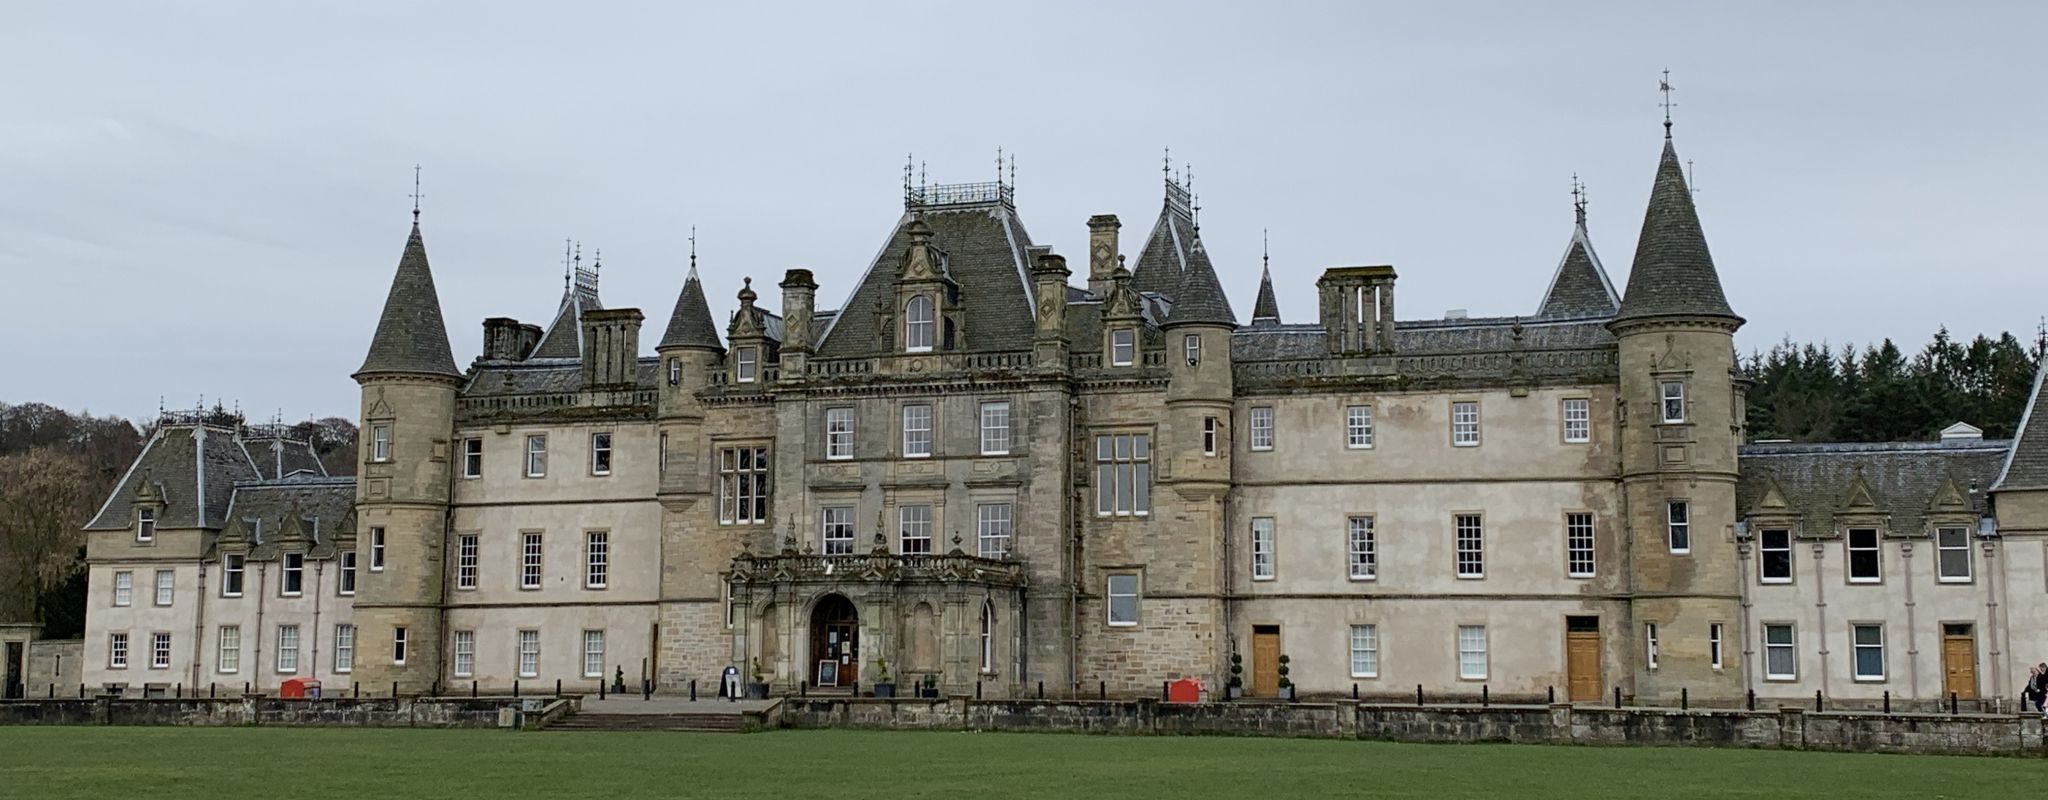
(917, 324)
(988, 636)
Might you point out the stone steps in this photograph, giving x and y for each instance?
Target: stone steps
(702, 723)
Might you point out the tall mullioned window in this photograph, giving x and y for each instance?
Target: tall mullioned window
(1358, 427)
(995, 428)
(465, 561)
(529, 561)
(1364, 548)
(916, 529)
(839, 433)
(1578, 545)
(1211, 434)
(1123, 474)
(1262, 549)
(376, 548)
(1465, 424)
(836, 525)
(917, 431)
(1262, 427)
(1471, 542)
(597, 559)
(743, 485)
(1578, 420)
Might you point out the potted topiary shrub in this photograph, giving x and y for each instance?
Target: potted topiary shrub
(1286, 683)
(930, 689)
(1234, 688)
(884, 685)
(757, 688)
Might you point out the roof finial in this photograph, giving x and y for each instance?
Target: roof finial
(920, 177)
(1013, 172)
(693, 244)
(416, 194)
(1265, 250)
(596, 261)
(567, 270)
(909, 160)
(1664, 86)
(1166, 166)
(1579, 199)
(1691, 181)
(999, 163)
(1195, 212)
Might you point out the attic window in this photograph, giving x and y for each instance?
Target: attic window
(749, 359)
(1122, 347)
(145, 524)
(917, 325)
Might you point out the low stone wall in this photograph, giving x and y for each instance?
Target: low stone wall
(1789, 729)
(410, 712)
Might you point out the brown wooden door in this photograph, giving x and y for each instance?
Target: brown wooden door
(1582, 658)
(1958, 662)
(1265, 661)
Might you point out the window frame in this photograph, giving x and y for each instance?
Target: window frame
(1666, 400)
(1472, 545)
(1265, 566)
(1123, 347)
(462, 653)
(1857, 648)
(145, 525)
(827, 526)
(532, 560)
(472, 458)
(160, 650)
(1465, 432)
(675, 370)
(117, 650)
(1940, 550)
(377, 548)
(920, 316)
(1678, 526)
(1111, 596)
(380, 442)
(1212, 435)
(1650, 645)
(839, 433)
(995, 438)
(1115, 468)
(1261, 422)
(1358, 429)
(924, 523)
(590, 635)
(991, 529)
(1790, 647)
(1576, 415)
(528, 659)
(468, 549)
(1464, 653)
(288, 644)
(345, 573)
(743, 475)
(165, 591)
(399, 645)
(227, 649)
(235, 566)
(1370, 651)
(1581, 545)
(344, 648)
(916, 418)
(536, 455)
(1764, 552)
(746, 364)
(601, 453)
(597, 559)
(1874, 554)
(286, 573)
(1191, 345)
(124, 588)
(1367, 556)
(1715, 647)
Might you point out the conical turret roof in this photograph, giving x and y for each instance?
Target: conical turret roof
(690, 325)
(1579, 287)
(1199, 300)
(1267, 307)
(410, 335)
(1673, 273)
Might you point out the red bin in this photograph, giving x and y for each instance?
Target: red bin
(1185, 690)
(300, 688)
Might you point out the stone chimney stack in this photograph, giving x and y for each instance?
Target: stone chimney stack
(611, 347)
(1102, 252)
(1049, 282)
(799, 298)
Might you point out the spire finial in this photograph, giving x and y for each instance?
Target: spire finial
(416, 194)
(1578, 199)
(1195, 211)
(1166, 166)
(1265, 251)
(568, 269)
(909, 161)
(693, 252)
(1691, 180)
(921, 184)
(1013, 172)
(1664, 86)
(999, 163)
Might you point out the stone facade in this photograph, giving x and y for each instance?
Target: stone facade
(991, 479)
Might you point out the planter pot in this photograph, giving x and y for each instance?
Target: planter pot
(757, 691)
(885, 690)
(1233, 692)
(928, 692)
(1287, 693)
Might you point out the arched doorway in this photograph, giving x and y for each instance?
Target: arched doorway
(835, 642)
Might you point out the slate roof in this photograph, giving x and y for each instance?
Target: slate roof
(1165, 255)
(691, 325)
(984, 246)
(1579, 287)
(546, 377)
(564, 337)
(1280, 342)
(278, 457)
(1673, 274)
(1199, 299)
(1904, 478)
(2026, 467)
(1267, 307)
(410, 335)
(325, 506)
(195, 482)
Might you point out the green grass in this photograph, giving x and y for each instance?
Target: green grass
(365, 764)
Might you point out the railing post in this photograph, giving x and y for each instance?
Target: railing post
(1418, 694)
(179, 692)
(515, 687)
(1752, 699)
(1165, 691)
(1952, 704)
(1684, 698)
(1887, 701)
(472, 689)
(977, 690)
(1485, 697)
(81, 691)
(1816, 700)
(1354, 690)
(53, 691)
(394, 688)
(1041, 690)
(646, 689)
(212, 690)
(693, 690)
(1617, 697)
(558, 687)
(355, 688)
(1548, 691)
(600, 688)
(1102, 690)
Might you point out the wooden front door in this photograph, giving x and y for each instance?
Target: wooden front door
(1582, 657)
(1958, 661)
(835, 643)
(1265, 661)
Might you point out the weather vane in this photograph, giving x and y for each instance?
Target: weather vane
(1664, 85)
(1579, 198)
(416, 195)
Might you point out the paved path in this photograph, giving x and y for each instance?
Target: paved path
(632, 704)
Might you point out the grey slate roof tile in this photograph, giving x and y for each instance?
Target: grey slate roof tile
(1673, 273)
(1166, 252)
(174, 464)
(2027, 466)
(411, 336)
(1267, 307)
(1580, 287)
(1903, 477)
(1199, 299)
(691, 325)
(984, 248)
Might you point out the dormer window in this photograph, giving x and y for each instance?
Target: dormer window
(380, 442)
(1193, 345)
(145, 524)
(748, 364)
(1123, 345)
(918, 329)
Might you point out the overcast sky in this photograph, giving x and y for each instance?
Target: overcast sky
(210, 198)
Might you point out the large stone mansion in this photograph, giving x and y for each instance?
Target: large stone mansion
(983, 473)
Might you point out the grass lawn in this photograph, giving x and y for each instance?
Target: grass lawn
(367, 764)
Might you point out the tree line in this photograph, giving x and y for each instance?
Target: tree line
(56, 468)
(1819, 393)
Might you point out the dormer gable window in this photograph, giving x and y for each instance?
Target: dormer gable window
(1123, 347)
(145, 524)
(747, 364)
(919, 328)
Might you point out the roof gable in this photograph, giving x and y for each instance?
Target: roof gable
(984, 246)
(1579, 287)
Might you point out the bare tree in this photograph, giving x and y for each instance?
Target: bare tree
(45, 496)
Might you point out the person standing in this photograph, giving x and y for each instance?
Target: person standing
(2037, 689)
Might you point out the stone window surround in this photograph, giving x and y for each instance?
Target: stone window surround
(1371, 551)
(472, 457)
(604, 468)
(1480, 552)
(1764, 630)
(1478, 417)
(1856, 673)
(380, 441)
(1673, 527)
(930, 430)
(1849, 551)
(1717, 645)
(991, 497)
(1565, 420)
(1270, 429)
(1137, 573)
(1265, 563)
(1485, 652)
(536, 456)
(1592, 548)
(1359, 433)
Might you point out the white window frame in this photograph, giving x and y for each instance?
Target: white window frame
(536, 455)
(145, 525)
(532, 559)
(988, 636)
(1123, 347)
(1578, 420)
(1123, 474)
(399, 645)
(1874, 551)
(1135, 594)
(1672, 394)
(743, 485)
(1262, 427)
(466, 551)
(1714, 647)
(746, 364)
(1210, 435)
(380, 442)
(1363, 547)
(1580, 545)
(234, 569)
(1650, 644)
(1857, 648)
(1365, 651)
(287, 649)
(286, 572)
(464, 649)
(345, 576)
(1263, 544)
(593, 654)
(344, 648)
(917, 430)
(1465, 423)
(994, 525)
(472, 458)
(1942, 548)
(1471, 644)
(1358, 427)
(601, 453)
(995, 428)
(376, 548)
(914, 529)
(166, 588)
(117, 650)
(124, 588)
(839, 433)
(675, 371)
(529, 653)
(1678, 526)
(1764, 551)
(227, 641)
(1469, 545)
(835, 530)
(160, 650)
(1790, 648)
(1192, 344)
(597, 559)
(920, 324)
